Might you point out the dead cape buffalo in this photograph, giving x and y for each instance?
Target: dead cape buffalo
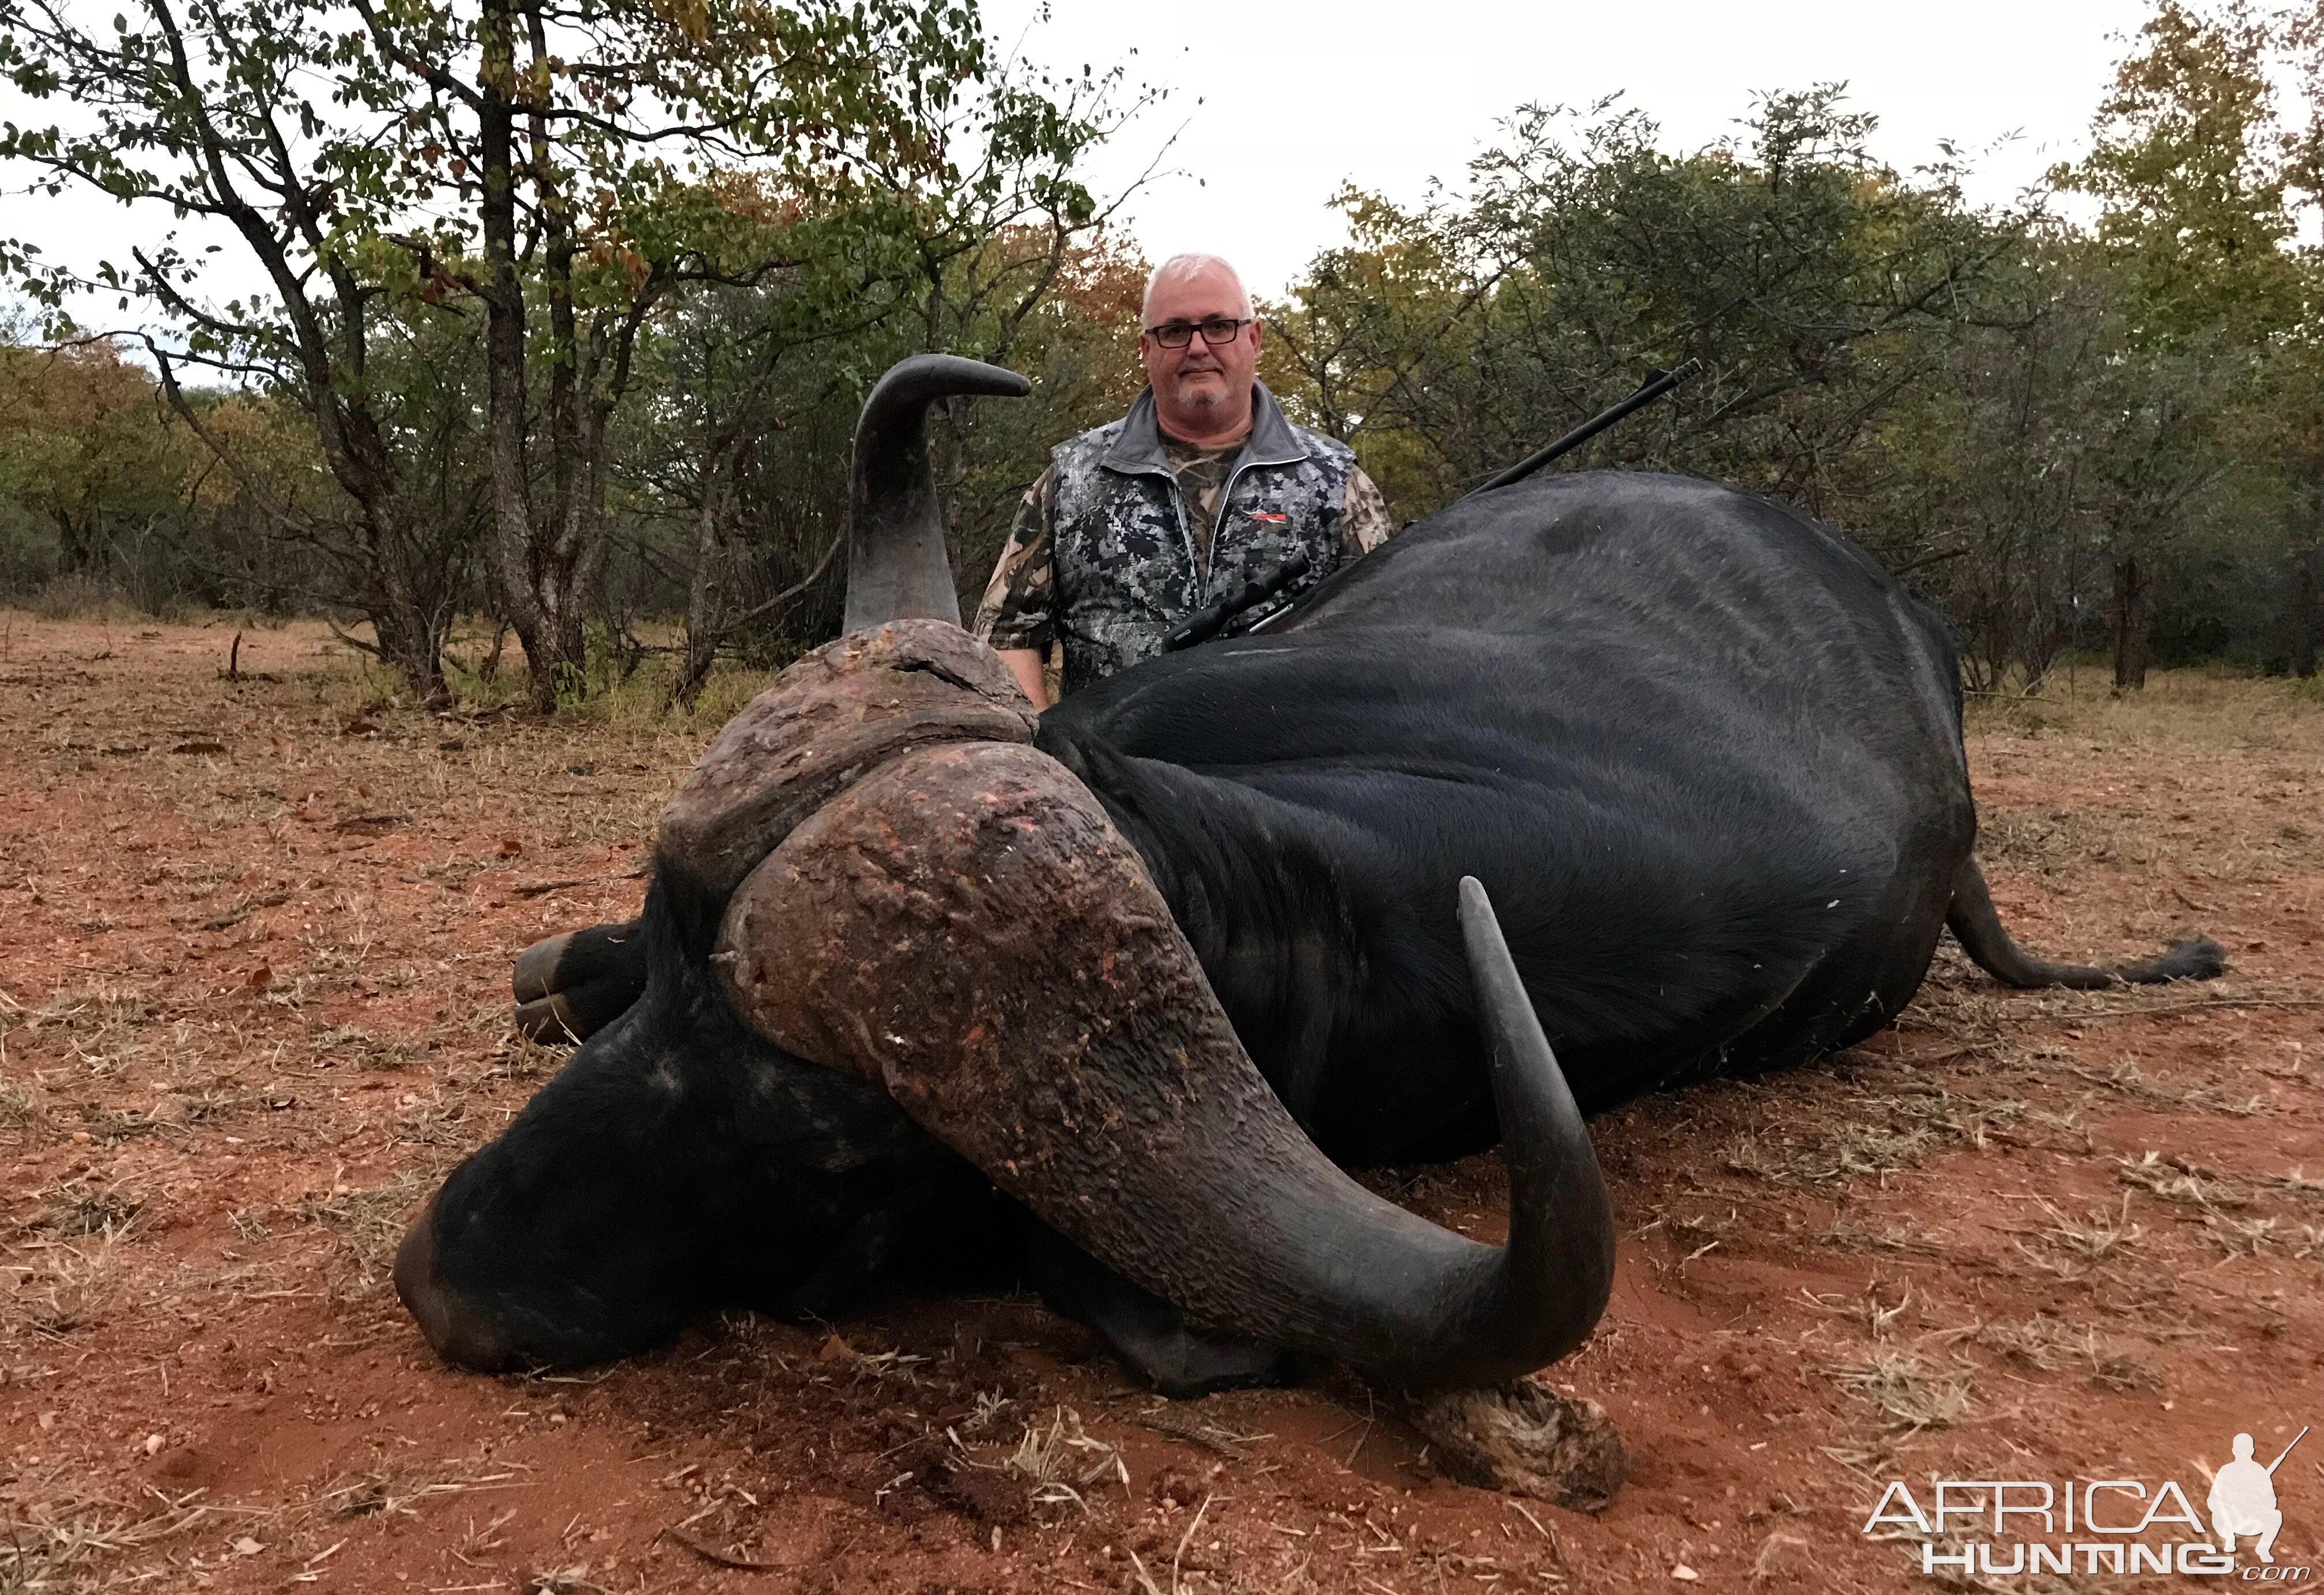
(1159, 966)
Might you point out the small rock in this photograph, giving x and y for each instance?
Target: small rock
(179, 1462)
(1174, 1487)
(1684, 1574)
(153, 1445)
(246, 1546)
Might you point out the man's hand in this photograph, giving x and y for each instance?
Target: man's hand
(1031, 670)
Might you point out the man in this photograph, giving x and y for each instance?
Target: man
(2243, 1500)
(1203, 484)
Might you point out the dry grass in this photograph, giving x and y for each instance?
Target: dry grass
(2057, 839)
(2174, 1179)
(434, 1118)
(2127, 1079)
(396, 1486)
(1064, 1459)
(2051, 1345)
(368, 1050)
(1897, 1239)
(2070, 1245)
(2223, 1204)
(1908, 1395)
(2235, 1237)
(1875, 1132)
(366, 1224)
(53, 1546)
(55, 1287)
(78, 1209)
(2202, 710)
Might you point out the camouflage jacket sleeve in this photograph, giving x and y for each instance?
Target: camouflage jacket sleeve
(1364, 524)
(1018, 607)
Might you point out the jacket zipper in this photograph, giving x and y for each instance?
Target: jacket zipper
(1201, 566)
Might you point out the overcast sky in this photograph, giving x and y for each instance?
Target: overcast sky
(1276, 103)
(1298, 95)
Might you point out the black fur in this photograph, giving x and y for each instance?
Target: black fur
(1705, 756)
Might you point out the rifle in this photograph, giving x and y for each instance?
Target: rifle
(1212, 619)
(1658, 383)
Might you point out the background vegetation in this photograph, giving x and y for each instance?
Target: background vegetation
(569, 313)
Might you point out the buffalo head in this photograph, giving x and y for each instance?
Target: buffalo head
(899, 958)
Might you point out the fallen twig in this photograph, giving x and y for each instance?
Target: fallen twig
(707, 1554)
(2131, 1013)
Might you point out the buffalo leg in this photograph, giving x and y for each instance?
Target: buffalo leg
(1146, 1331)
(571, 985)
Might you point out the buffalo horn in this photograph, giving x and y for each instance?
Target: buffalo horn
(967, 927)
(896, 563)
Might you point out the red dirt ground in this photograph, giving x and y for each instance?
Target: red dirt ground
(253, 954)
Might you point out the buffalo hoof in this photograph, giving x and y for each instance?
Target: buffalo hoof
(568, 987)
(1525, 1439)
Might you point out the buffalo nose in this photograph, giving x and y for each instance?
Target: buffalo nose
(459, 1333)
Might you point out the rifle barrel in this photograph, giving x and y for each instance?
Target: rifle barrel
(1656, 384)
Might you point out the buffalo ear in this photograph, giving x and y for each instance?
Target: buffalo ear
(896, 563)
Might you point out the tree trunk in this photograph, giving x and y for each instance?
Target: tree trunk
(2307, 609)
(408, 642)
(536, 576)
(706, 604)
(707, 592)
(2134, 620)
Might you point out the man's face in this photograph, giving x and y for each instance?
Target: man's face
(1204, 385)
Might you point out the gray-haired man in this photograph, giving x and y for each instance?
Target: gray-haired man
(1205, 483)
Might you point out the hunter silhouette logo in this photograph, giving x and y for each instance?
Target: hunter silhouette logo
(2243, 1498)
(2000, 1526)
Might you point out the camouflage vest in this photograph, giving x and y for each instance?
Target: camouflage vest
(1122, 555)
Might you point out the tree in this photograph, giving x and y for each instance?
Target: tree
(542, 163)
(86, 444)
(1811, 282)
(997, 254)
(2190, 168)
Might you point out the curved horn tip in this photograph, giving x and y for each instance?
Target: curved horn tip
(1508, 1010)
(1561, 1216)
(897, 565)
(1525, 1065)
(925, 378)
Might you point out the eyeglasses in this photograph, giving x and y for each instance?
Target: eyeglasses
(1218, 329)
